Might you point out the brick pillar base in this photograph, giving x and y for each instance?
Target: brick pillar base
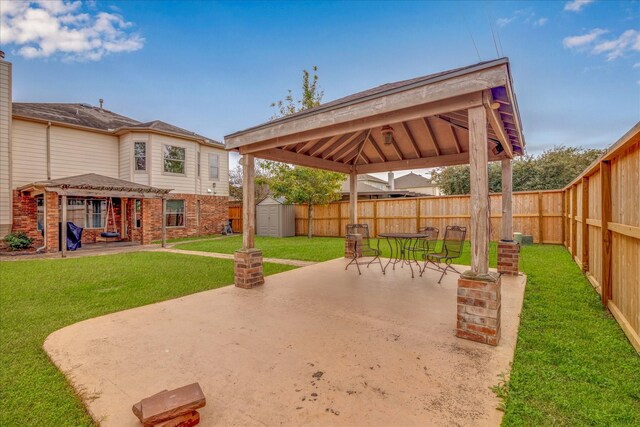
(248, 268)
(508, 257)
(479, 307)
(351, 241)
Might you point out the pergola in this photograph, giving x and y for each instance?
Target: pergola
(464, 116)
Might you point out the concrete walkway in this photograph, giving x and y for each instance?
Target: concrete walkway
(230, 256)
(315, 346)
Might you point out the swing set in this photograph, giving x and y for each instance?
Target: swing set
(110, 215)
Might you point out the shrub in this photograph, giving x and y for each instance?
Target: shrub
(18, 241)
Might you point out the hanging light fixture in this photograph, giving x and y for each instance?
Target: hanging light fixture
(387, 133)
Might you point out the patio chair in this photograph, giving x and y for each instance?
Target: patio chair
(425, 245)
(360, 235)
(451, 249)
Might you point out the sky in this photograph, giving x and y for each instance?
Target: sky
(215, 67)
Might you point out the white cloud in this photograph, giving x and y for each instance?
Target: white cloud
(627, 42)
(576, 5)
(584, 39)
(501, 22)
(636, 65)
(45, 28)
(540, 22)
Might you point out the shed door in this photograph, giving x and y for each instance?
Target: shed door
(272, 221)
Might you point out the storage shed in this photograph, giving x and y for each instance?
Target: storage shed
(274, 218)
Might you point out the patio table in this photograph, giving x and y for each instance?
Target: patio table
(402, 245)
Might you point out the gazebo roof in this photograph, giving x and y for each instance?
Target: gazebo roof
(428, 115)
(92, 184)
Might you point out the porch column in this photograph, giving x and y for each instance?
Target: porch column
(478, 312)
(164, 222)
(64, 226)
(123, 218)
(508, 250)
(248, 260)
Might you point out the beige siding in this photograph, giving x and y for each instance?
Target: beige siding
(76, 152)
(222, 183)
(5, 122)
(125, 155)
(432, 191)
(179, 183)
(29, 152)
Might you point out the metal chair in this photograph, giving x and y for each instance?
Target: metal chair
(451, 249)
(360, 234)
(427, 244)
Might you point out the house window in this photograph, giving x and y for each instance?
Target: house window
(174, 159)
(213, 166)
(138, 213)
(76, 212)
(96, 213)
(174, 216)
(40, 213)
(140, 153)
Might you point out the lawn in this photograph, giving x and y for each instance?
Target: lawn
(40, 296)
(573, 364)
(302, 248)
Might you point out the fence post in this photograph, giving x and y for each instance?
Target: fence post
(574, 224)
(605, 191)
(585, 226)
(417, 213)
(563, 223)
(375, 217)
(540, 218)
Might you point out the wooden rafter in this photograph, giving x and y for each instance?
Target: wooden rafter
(377, 148)
(432, 136)
(320, 147)
(455, 138)
(280, 155)
(339, 144)
(414, 144)
(362, 144)
(306, 146)
(349, 148)
(425, 162)
(497, 125)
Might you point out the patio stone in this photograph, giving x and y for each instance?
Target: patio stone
(315, 346)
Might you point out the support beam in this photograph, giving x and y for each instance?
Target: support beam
(164, 222)
(376, 147)
(426, 162)
(123, 218)
(353, 197)
(280, 155)
(454, 136)
(506, 224)
(496, 124)
(248, 202)
(64, 226)
(479, 177)
(342, 142)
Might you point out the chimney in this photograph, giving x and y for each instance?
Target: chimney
(390, 181)
(101, 101)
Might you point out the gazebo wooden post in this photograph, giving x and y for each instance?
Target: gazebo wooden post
(64, 226)
(478, 313)
(248, 260)
(351, 241)
(508, 250)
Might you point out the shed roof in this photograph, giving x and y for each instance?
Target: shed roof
(89, 116)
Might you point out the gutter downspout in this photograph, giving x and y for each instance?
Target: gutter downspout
(48, 150)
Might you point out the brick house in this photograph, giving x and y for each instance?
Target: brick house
(113, 173)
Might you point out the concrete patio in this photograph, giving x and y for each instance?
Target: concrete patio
(314, 346)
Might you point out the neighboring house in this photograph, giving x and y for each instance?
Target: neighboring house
(417, 184)
(101, 162)
(369, 188)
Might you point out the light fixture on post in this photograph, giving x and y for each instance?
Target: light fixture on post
(387, 133)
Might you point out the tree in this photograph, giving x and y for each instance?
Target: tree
(553, 169)
(261, 179)
(304, 185)
(297, 184)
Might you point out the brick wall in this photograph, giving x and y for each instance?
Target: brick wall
(213, 212)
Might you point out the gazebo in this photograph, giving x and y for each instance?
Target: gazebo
(467, 115)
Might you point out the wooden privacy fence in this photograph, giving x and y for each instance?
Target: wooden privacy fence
(538, 213)
(602, 224)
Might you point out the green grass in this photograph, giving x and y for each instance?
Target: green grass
(302, 248)
(40, 296)
(573, 364)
